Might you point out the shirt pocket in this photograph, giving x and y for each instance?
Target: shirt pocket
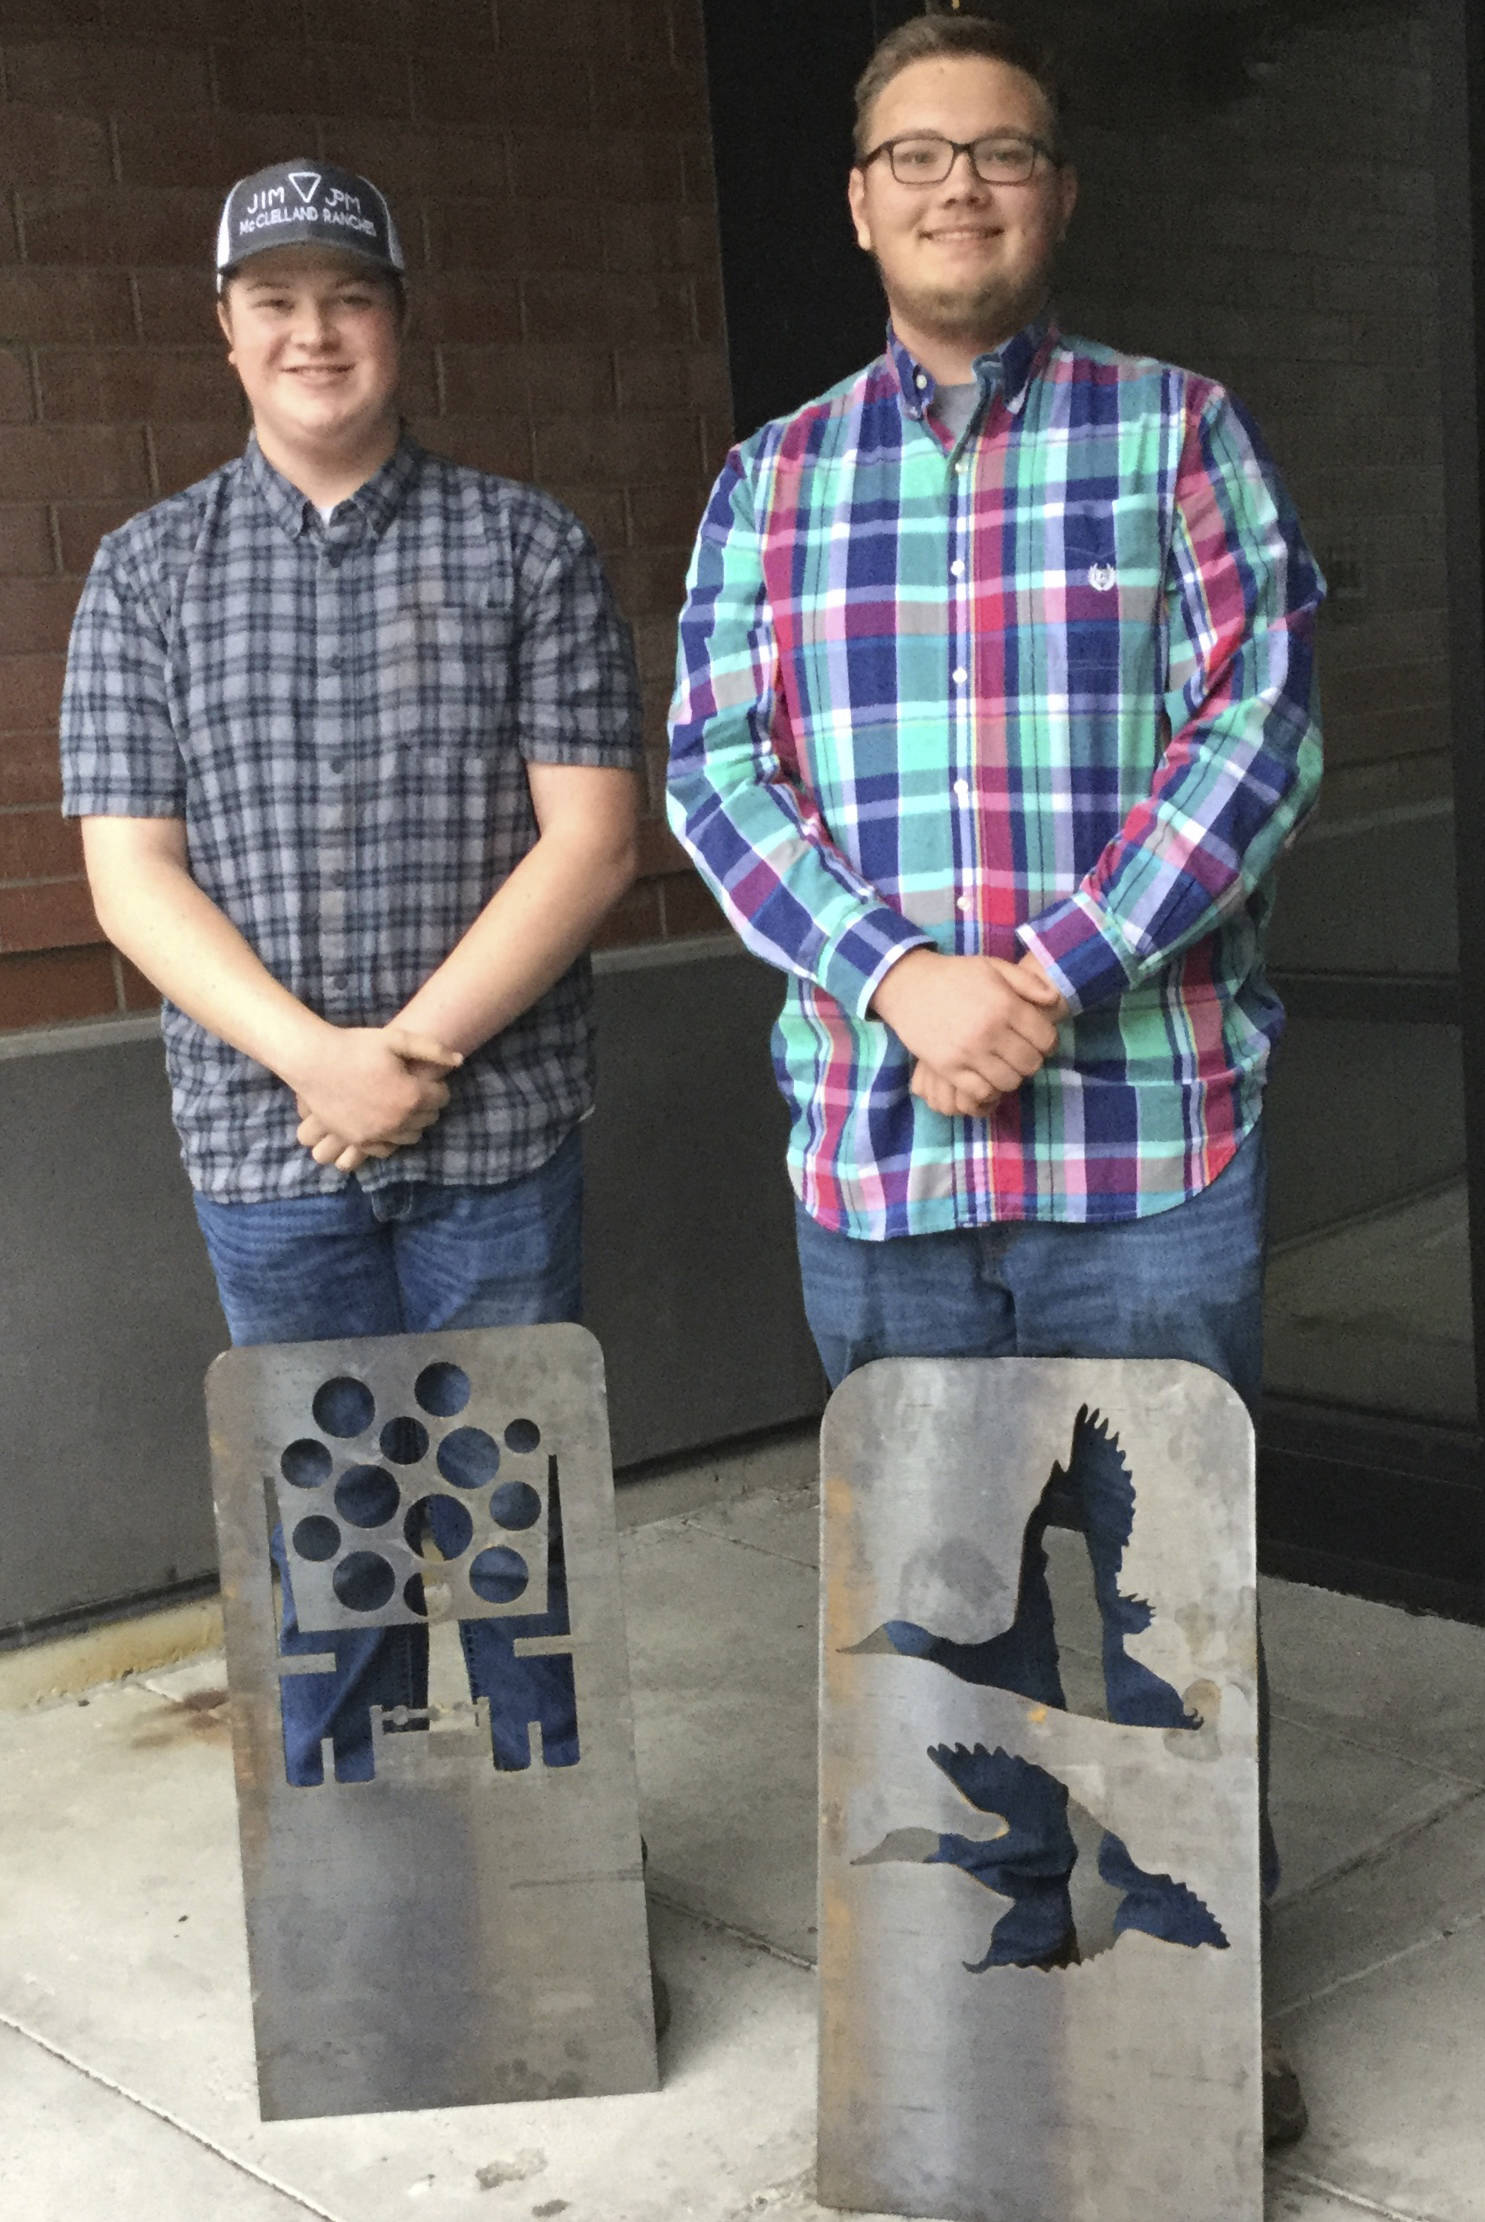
(444, 675)
(1113, 565)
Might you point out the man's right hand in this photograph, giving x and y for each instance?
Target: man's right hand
(979, 1024)
(373, 1085)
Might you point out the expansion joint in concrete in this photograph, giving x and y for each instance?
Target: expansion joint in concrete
(1376, 1750)
(173, 2121)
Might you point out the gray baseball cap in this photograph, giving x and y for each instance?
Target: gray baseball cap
(303, 204)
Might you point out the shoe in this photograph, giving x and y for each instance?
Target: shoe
(1285, 2115)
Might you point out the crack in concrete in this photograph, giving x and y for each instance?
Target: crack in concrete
(163, 2114)
(741, 1542)
(1372, 1855)
(751, 1937)
(1303, 2180)
(1388, 1959)
(1378, 1750)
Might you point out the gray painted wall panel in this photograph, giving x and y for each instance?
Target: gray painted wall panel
(108, 1317)
(107, 1321)
(691, 1282)
(1372, 894)
(1360, 1116)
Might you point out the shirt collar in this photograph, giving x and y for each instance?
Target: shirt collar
(370, 509)
(1007, 370)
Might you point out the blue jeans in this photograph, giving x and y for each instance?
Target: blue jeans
(409, 1259)
(1185, 1283)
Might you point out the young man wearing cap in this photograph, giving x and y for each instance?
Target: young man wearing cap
(353, 734)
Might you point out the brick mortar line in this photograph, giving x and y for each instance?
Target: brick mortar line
(163, 2114)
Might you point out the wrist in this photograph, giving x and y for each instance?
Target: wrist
(297, 1053)
(899, 983)
(420, 1017)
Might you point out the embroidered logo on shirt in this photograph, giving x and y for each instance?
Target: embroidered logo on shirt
(1102, 577)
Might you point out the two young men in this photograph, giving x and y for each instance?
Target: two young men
(353, 733)
(993, 717)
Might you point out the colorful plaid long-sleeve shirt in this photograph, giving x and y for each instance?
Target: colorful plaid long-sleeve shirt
(1046, 688)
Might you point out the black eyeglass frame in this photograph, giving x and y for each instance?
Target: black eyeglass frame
(957, 147)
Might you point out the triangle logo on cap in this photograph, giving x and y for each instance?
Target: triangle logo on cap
(306, 183)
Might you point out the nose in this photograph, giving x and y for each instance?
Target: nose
(963, 174)
(314, 324)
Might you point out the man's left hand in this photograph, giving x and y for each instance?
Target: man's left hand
(946, 1096)
(329, 1148)
(332, 1149)
(952, 1100)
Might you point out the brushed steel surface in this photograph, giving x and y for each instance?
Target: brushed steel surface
(445, 1934)
(1127, 2089)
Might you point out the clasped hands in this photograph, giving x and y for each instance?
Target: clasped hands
(977, 1027)
(369, 1090)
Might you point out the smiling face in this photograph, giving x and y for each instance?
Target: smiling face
(965, 265)
(315, 337)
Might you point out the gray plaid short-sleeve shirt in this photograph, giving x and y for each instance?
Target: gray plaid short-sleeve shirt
(342, 714)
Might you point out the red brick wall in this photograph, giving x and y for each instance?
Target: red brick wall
(549, 164)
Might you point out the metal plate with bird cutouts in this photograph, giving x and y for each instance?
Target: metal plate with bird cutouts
(959, 2078)
(434, 1918)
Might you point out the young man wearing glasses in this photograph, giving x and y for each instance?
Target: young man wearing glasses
(993, 717)
(353, 733)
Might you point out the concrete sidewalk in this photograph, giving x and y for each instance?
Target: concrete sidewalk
(126, 2066)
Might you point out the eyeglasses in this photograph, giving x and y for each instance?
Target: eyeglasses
(926, 157)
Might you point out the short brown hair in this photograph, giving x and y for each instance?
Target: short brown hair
(924, 37)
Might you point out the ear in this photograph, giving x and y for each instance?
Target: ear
(224, 318)
(856, 195)
(1067, 182)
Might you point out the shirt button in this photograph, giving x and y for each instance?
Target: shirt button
(960, 676)
(336, 765)
(965, 902)
(961, 789)
(337, 979)
(921, 383)
(960, 469)
(337, 879)
(956, 569)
